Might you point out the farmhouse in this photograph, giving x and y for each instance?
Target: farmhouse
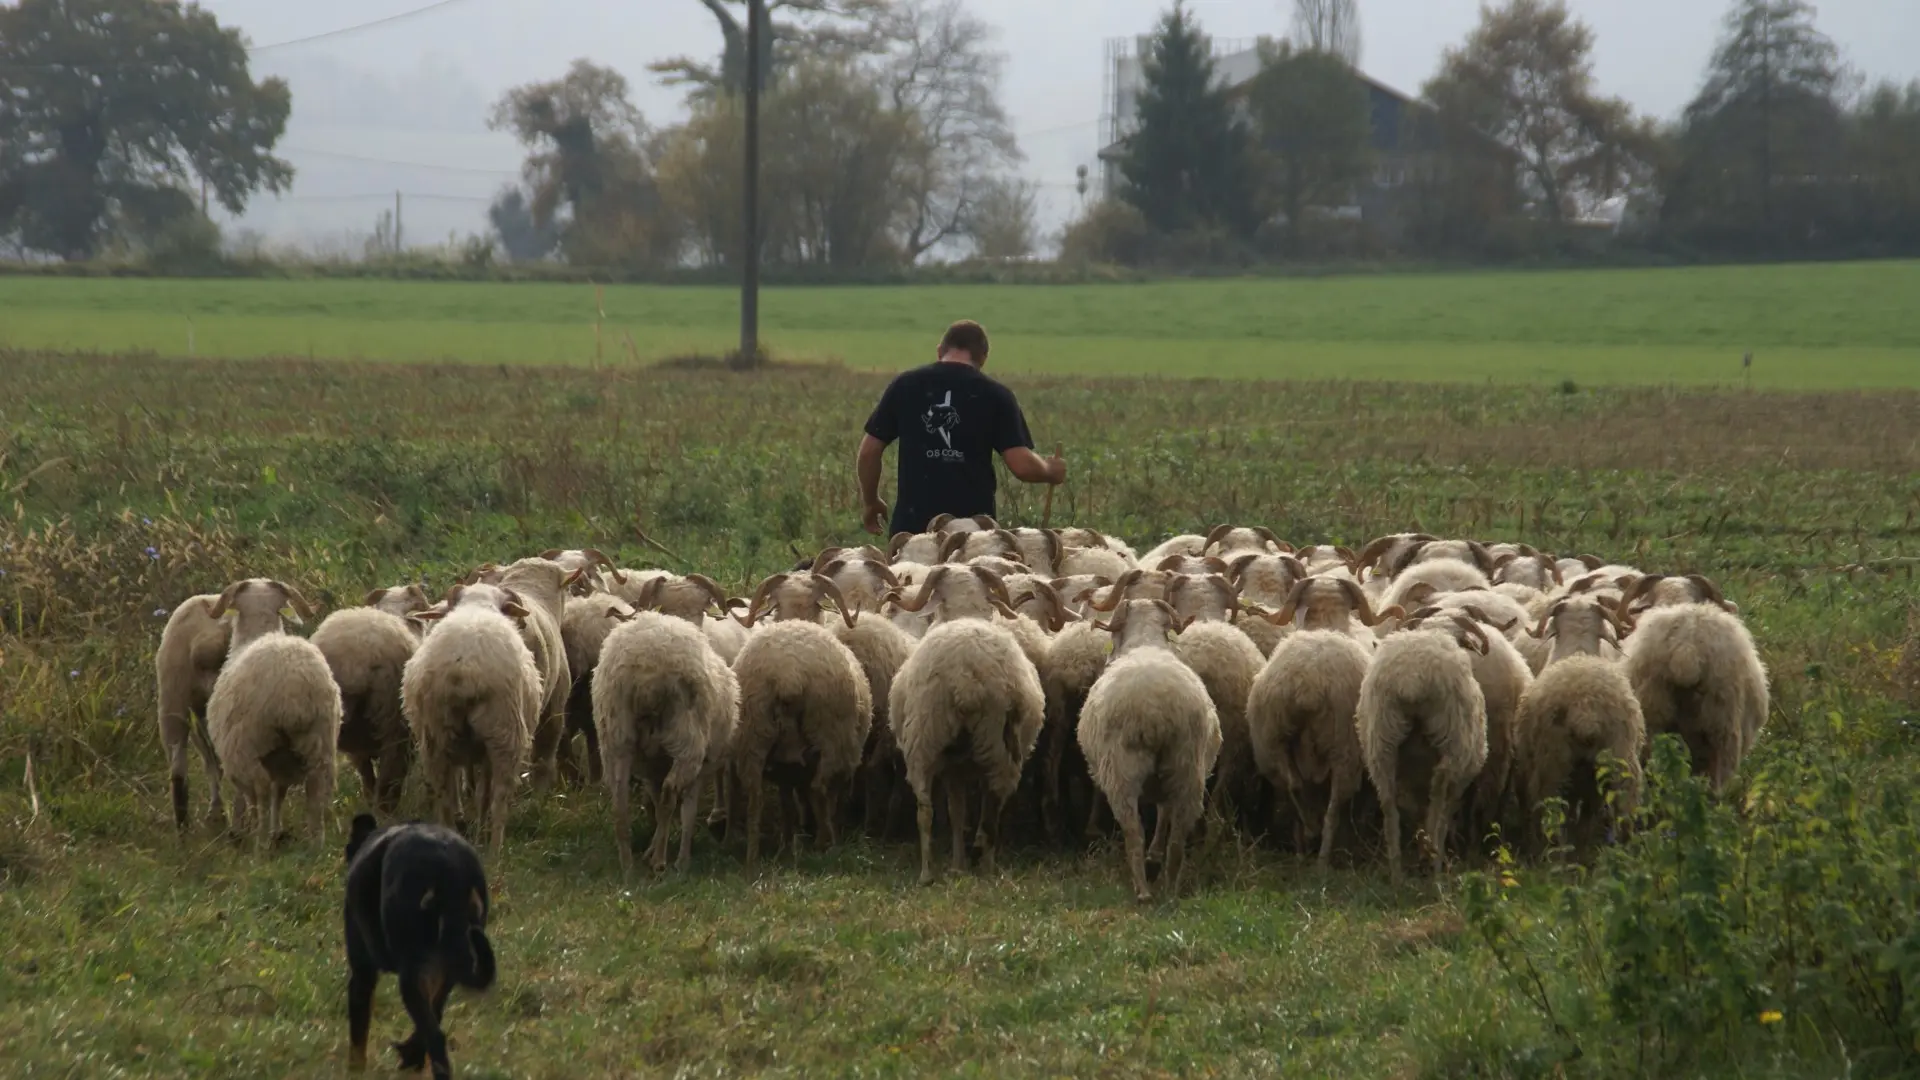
(1409, 150)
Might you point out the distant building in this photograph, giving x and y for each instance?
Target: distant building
(1404, 149)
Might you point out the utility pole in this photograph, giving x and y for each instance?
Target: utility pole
(750, 215)
(396, 223)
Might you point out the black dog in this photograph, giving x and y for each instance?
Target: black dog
(416, 906)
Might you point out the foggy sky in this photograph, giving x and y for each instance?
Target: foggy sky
(418, 90)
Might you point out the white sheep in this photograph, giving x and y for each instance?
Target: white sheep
(1094, 538)
(367, 649)
(1184, 544)
(1438, 576)
(1659, 590)
(541, 586)
(192, 649)
(1265, 581)
(1227, 541)
(665, 706)
(274, 715)
(923, 547)
(400, 601)
(881, 649)
(1579, 713)
(1300, 724)
(1698, 675)
(584, 625)
(1503, 677)
(805, 707)
(967, 708)
(1149, 731)
(472, 695)
(1422, 724)
(1094, 562)
(1389, 552)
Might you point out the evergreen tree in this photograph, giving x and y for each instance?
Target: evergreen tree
(1187, 165)
(1769, 110)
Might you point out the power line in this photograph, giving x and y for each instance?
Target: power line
(357, 27)
(382, 196)
(342, 31)
(334, 154)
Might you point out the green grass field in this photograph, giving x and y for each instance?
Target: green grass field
(1838, 326)
(133, 483)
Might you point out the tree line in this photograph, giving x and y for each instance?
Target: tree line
(1511, 150)
(886, 143)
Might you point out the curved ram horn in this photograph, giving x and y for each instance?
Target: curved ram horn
(823, 584)
(927, 587)
(1284, 616)
(1214, 536)
(1279, 546)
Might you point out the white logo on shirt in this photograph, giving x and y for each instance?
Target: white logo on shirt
(941, 419)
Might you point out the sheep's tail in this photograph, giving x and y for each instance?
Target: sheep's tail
(1685, 665)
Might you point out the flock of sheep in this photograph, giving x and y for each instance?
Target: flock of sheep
(1463, 683)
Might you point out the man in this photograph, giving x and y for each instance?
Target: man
(950, 419)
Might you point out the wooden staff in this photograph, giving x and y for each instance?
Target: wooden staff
(1046, 512)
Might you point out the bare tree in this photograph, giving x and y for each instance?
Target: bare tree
(817, 29)
(1003, 222)
(1328, 26)
(945, 73)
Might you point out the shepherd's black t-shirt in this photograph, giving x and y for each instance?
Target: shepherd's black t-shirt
(950, 419)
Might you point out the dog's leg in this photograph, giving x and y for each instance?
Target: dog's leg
(420, 989)
(360, 986)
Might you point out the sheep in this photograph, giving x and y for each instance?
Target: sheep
(948, 524)
(588, 562)
(1094, 538)
(968, 546)
(881, 648)
(1300, 725)
(1659, 590)
(584, 625)
(1389, 552)
(1037, 599)
(1193, 564)
(1503, 677)
(967, 708)
(1327, 558)
(1184, 544)
(665, 705)
(862, 578)
(1580, 709)
(1528, 568)
(805, 706)
(1441, 575)
(1330, 603)
(1095, 562)
(921, 547)
(627, 583)
(472, 695)
(1227, 541)
(1577, 565)
(400, 601)
(1264, 580)
(366, 649)
(274, 715)
(1697, 674)
(1149, 731)
(541, 586)
(1422, 725)
(192, 649)
(1041, 549)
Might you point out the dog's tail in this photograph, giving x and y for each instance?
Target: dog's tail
(464, 948)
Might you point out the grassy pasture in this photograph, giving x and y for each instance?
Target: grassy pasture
(1838, 326)
(134, 483)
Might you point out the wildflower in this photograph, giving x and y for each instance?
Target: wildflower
(1772, 1016)
(1509, 881)
(146, 521)
(159, 613)
(153, 553)
(74, 674)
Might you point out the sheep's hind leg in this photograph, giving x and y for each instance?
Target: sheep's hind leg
(1127, 810)
(620, 785)
(957, 822)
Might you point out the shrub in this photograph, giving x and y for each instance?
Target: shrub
(1783, 925)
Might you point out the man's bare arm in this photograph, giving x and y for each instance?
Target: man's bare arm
(1031, 468)
(872, 450)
